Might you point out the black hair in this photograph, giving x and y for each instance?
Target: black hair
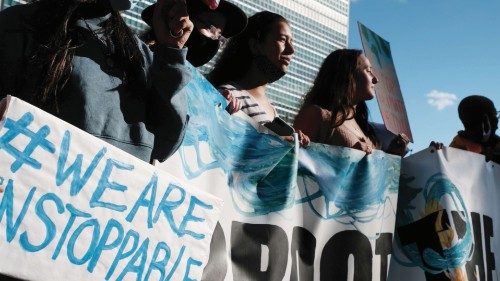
(236, 58)
(472, 109)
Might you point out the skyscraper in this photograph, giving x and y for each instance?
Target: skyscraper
(318, 26)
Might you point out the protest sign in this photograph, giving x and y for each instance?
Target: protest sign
(388, 91)
(321, 213)
(447, 225)
(73, 207)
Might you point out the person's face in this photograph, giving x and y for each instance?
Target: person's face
(365, 80)
(277, 46)
(493, 118)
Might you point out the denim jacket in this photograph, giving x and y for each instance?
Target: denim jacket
(150, 125)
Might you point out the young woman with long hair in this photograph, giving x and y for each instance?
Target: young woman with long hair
(78, 60)
(258, 56)
(335, 111)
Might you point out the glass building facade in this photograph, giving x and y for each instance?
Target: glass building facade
(319, 27)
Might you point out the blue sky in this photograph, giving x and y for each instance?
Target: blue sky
(443, 50)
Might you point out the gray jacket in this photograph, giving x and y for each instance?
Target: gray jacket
(148, 127)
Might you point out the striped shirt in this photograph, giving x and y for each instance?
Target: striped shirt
(248, 104)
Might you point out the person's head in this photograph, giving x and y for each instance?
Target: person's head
(479, 117)
(212, 27)
(265, 45)
(344, 79)
(344, 82)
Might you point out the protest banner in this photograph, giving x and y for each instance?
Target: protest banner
(321, 213)
(388, 91)
(447, 223)
(73, 207)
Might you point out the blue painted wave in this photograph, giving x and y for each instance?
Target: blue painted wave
(436, 188)
(353, 182)
(262, 169)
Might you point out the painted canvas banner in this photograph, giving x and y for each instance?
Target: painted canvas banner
(389, 96)
(321, 213)
(447, 226)
(73, 207)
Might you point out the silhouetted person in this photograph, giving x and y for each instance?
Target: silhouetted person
(480, 119)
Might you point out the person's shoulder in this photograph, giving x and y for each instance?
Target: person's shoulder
(146, 51)
(463, 143)
(313, 111)
(459, 142)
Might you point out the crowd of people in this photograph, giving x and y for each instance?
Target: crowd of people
(78, 60)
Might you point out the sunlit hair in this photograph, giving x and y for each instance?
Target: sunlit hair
(335, 89)
(57, 41)
(236, 58)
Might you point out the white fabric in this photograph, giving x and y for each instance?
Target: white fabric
(123, 206)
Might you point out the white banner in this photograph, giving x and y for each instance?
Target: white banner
(324, 213)
(447, 225)
(76, 208)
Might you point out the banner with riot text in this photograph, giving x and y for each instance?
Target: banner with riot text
(321, 213)
(447, 226)
(73, 207)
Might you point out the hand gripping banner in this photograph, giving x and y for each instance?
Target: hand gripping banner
(321, 213)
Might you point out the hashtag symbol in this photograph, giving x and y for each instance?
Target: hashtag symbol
(38, 139)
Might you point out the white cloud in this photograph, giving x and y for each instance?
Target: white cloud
(440, 100)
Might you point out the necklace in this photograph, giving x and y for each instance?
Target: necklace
(106, 45)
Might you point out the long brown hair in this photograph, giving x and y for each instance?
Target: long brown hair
(334, 88)
(57, 41)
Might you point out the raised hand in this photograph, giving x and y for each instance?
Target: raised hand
(171, 23)
(234, 104)
(436, 145)
(398, 145)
